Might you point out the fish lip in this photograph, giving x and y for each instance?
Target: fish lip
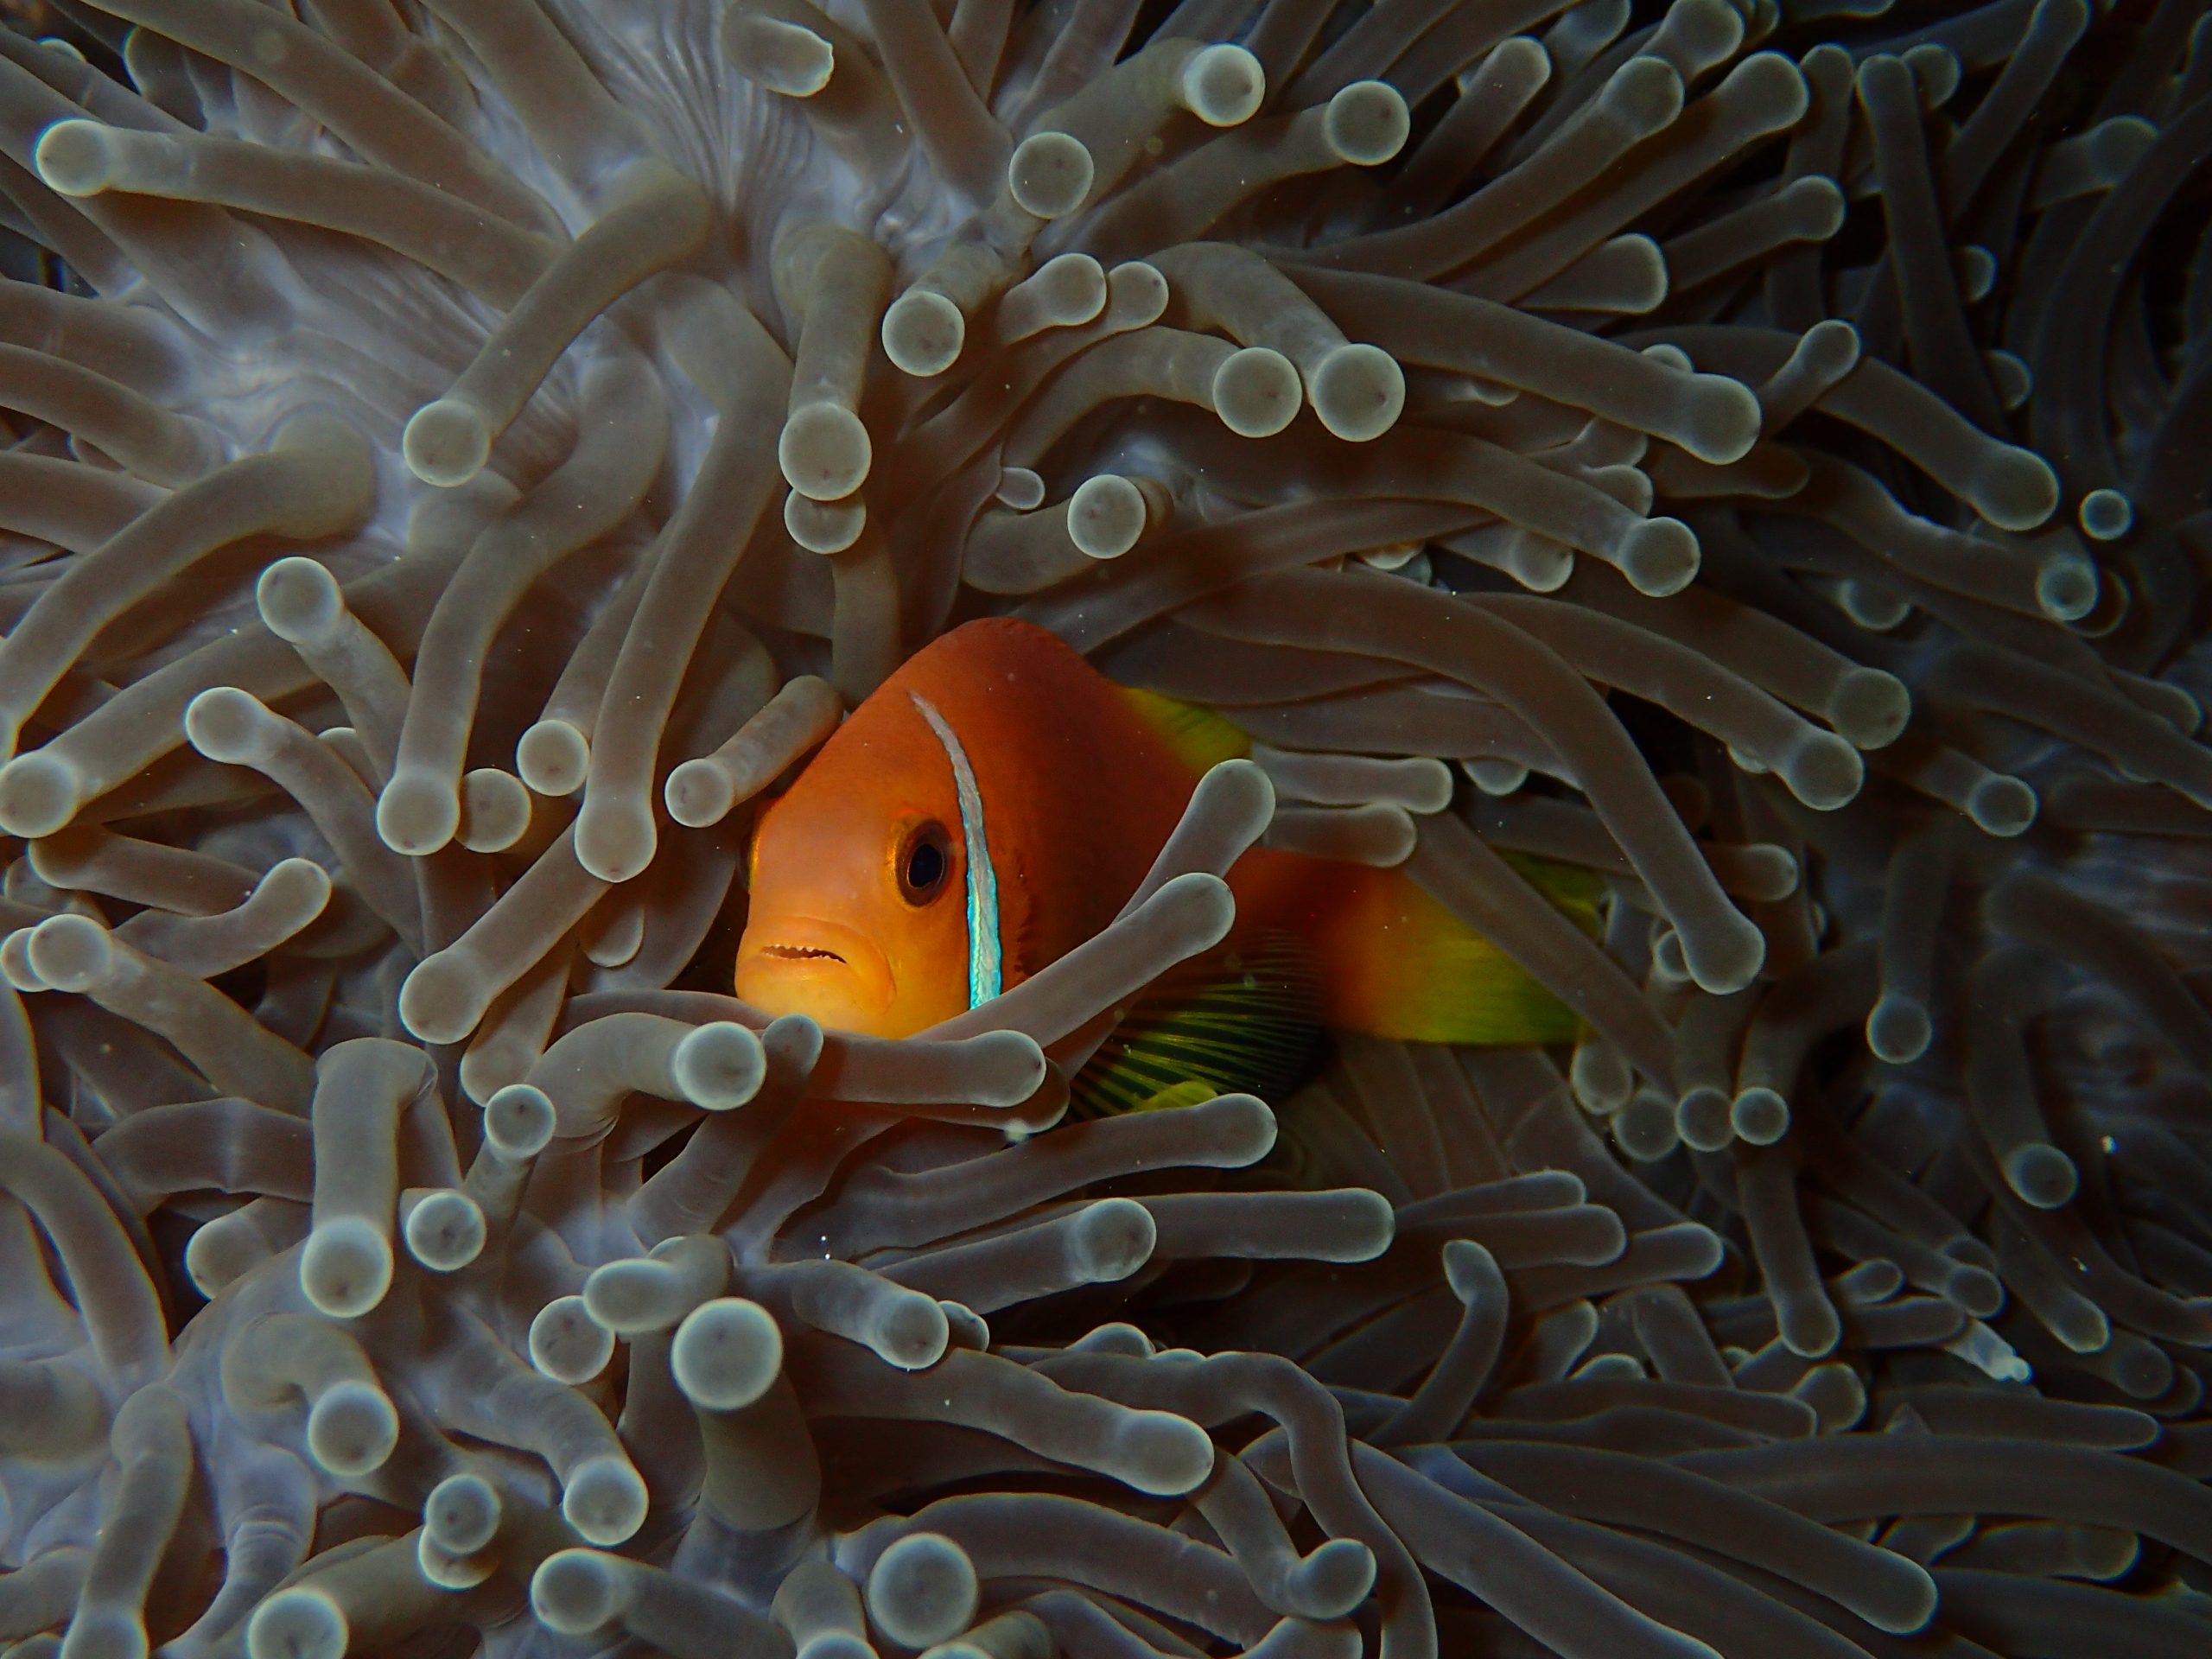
(807, 944)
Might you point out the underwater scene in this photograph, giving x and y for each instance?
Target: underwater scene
(1105, 829)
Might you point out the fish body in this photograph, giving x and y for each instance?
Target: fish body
(995, 803)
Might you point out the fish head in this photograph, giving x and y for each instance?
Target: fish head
(858, 873)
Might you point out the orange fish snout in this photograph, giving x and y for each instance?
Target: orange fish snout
(834, 974)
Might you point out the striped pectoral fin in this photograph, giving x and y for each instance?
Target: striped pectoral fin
(1238, 1020)
(1397, 964)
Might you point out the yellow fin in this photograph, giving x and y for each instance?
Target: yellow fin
(1192, 1092)
(1415, 973)
(1472, 992)
(1238, 1020)
(1200, 737)
(1571, 888)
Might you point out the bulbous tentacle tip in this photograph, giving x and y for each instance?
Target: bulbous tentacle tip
(1256, 392)
(719, 1066)
(1367, 123)
(1223, 86)
(442, 999)
(299, 1623)
(824, 451)
(2002, 806)
(776, 54)
(418, 812)
(922, 1590)
(553, 758)
(727, 1354)
(1106, 517)
(923, 333)
(575, 1592)
(229, 725)
(1358, 392)
(1661, 556)
(346, 1267)
(462, 1513)
(566, 1343)
(1725, 956)
(352, 1429)
(518, 1121)
(70, 953)
(446, 443)
(1898, 1030)
(39, 793)
(445, 1230)
(1334, 1578)
(74, 158)
(1050, 174)
(299, 600)
(604, 1499)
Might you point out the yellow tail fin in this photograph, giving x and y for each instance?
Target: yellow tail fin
(1393, 961)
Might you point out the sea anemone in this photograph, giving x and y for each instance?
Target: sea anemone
(465, 452)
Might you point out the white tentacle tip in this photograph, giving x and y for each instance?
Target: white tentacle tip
(345, 1267)
(1050, 174)
(301, 1623)
(15, 964)
(575, 1592)
(719, 1066)
(778, 56)
(518, 1121)
(299, 600)
(462, 1514)
(417, 813)
(604, 1499)
(39, 792)
(1223, 86)
(1256, 392)
(228, 726)
(553, 758)
(1359, 390)
(446, 443)
(922, 1590)
(75, 158)
(566, 1343)
(441, 1000)
(923, 333)
(69, 953)
(1163, 1453)
(352, 1429)
(824, 451)
(824, 527)
(1367, 123)
(727, 1354)
(445, 1230)
(698, 793)
(1106, 516)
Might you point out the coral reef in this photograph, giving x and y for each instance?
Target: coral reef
(463, 452)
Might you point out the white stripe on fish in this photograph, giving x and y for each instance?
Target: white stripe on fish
(985, 966)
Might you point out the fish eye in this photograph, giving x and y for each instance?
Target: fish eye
(925, 863)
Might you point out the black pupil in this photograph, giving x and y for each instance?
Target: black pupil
(924, 865)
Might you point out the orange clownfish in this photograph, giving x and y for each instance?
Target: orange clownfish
(995, 802)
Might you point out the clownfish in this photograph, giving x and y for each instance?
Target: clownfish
(995, 802)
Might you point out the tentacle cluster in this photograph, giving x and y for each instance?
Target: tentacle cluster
(462, 453)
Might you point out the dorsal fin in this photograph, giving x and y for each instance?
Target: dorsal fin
(1198, 737)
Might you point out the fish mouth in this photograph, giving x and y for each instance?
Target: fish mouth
(801, 953)
(798, 964)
